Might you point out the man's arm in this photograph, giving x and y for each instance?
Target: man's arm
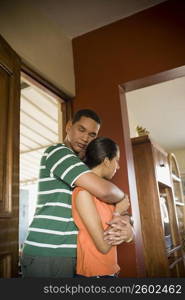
(122, 207)
(99, 187)
(75, 168)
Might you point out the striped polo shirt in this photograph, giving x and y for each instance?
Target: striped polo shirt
(52, 231)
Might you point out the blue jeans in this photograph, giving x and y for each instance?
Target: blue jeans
(46, 266)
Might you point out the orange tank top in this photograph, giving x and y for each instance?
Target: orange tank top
(90, 261)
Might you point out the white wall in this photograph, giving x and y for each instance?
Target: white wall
(132, 124)
(160, 109)
(180, 156)
(39, 42)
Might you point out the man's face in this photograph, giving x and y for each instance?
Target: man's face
(81, 133)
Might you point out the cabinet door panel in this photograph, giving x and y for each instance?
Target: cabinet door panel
(9, 159)
(162, 167)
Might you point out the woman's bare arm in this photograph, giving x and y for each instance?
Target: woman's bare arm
(91, 219)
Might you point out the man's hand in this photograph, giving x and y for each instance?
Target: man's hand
(81, 154)
(119, 231)
(123, 205)
(117, 219)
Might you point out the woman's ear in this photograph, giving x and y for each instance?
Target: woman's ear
(106, 162)
(68, 126)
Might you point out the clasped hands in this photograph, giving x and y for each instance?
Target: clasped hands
(119, 231)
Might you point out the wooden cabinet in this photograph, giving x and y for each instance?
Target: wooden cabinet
(161, 165)
(162, 243)
(9, 159)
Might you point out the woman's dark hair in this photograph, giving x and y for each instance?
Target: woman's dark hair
(98, 149)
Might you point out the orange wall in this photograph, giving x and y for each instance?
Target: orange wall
(146, 43)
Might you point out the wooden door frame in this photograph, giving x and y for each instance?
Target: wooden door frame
(9, 188)
(123, 89)
(42, 82)
(11, 66)
(153, 79)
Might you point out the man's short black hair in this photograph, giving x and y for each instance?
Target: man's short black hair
(88, 113)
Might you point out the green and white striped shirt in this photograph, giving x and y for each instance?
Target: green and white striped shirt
(52, 231)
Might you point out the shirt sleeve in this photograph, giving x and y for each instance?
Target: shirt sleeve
(65, 165)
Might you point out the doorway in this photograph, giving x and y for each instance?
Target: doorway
(158, 109)
(157, 122)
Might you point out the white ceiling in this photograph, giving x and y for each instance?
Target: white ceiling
(161, 110)
(76, 17)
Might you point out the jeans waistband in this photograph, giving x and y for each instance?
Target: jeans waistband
(102, 276)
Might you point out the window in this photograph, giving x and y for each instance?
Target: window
(40, 127)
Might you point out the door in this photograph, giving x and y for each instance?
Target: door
(9, 159)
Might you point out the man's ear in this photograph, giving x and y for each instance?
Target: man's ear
(68, 126)
(106, 162)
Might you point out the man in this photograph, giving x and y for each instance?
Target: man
(50, 248)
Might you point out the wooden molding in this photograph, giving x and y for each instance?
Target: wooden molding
(38, 79)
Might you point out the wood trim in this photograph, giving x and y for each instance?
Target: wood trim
(140, 264)
(153, 79)
(39, 79)
(5, 265)
(9, 159)
(67, 112)
(8, 52)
